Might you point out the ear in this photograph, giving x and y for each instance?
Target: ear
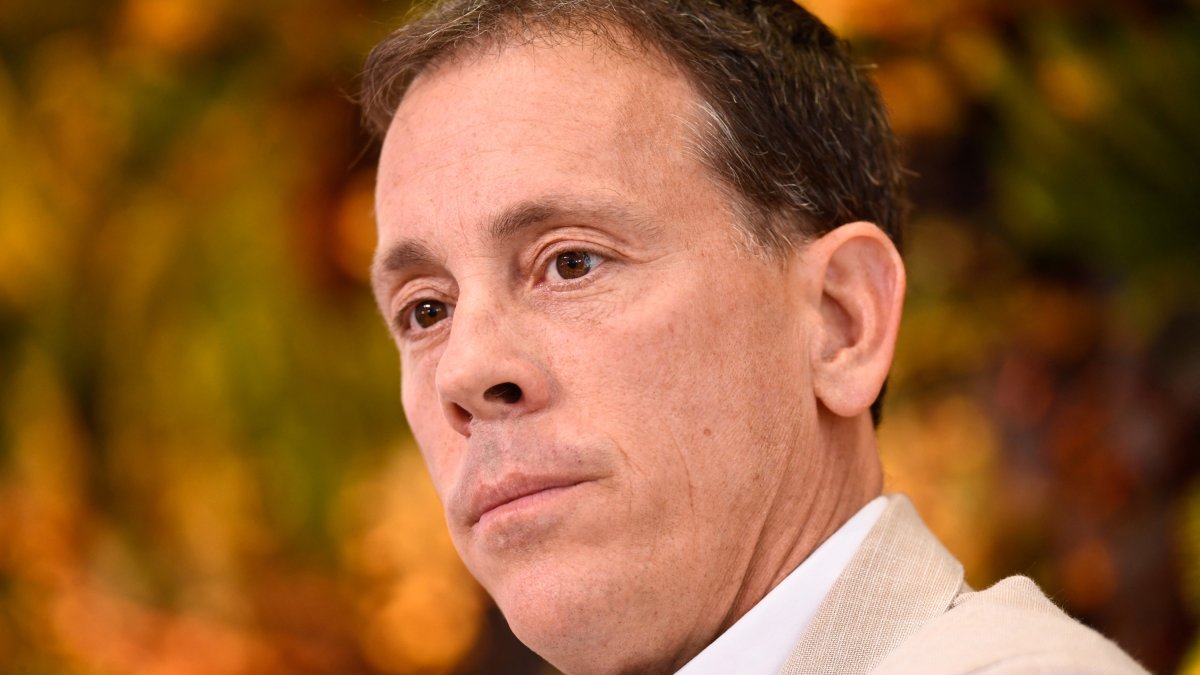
(860, 281)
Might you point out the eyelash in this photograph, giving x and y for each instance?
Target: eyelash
(404, 317)
(550, 257)
(402, 320)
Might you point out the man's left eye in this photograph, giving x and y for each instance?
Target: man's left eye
(572, 265)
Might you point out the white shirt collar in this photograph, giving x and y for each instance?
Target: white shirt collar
(760, 642)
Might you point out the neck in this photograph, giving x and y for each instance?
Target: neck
(817, 497)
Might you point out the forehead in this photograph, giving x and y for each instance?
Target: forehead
(494, 127)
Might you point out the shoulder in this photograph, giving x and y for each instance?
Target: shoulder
(1009, 628)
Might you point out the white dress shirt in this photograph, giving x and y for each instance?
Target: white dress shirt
(760, 642)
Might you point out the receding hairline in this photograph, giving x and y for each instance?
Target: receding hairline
(700, 124)
(607, 28)
(604, 33)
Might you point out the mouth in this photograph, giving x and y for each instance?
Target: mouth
(515, 492)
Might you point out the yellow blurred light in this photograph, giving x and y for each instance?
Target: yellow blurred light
(171, 26)
(429, 623)
(98, 630)
(46, 472)
(210, 500)
(920, 98)
(32, 245)
(942, 454)
(963, 337)
(193, 646)
(1189, 545)
(145, 227)
(355, 228)
(976, 57)
(115, 637)
(396, 546)
(1073, 87)
(1191, 662)
(30, 242)
(892, 18)
(81, 120)
(397, 523)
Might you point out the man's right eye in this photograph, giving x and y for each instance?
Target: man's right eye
(426, 313)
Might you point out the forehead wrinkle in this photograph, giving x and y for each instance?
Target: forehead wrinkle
(509, 224)
(512, 221)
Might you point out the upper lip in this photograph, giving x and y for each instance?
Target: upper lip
(509, 488)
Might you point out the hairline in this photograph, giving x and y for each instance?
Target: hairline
(710, 138)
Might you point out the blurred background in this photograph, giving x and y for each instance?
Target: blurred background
(203, 463)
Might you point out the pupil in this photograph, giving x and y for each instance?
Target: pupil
(429, 313)
(573, 264)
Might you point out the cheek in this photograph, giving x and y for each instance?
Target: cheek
(694, 371)
(423, 413)
(686, 346)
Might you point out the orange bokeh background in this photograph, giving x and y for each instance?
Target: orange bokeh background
(203, 463)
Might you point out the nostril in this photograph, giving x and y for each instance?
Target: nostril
(461, 413)
(507, 392)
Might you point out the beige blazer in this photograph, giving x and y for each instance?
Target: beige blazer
(901, 606)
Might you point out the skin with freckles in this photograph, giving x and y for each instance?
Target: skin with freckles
(637, 425)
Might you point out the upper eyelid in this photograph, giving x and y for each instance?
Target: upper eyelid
(550, 259)
(549, 253)
(439, 286)
(401, 321)
(568, 237)
(403, 302)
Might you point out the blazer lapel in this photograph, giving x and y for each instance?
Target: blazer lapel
(900, 578)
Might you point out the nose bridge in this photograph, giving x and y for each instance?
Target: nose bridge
(475, 332)
(484, 371)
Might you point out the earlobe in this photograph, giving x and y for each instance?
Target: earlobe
(861, 282)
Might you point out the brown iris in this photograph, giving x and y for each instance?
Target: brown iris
(428, 312)
(573, 264)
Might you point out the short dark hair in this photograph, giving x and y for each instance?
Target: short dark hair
(794, 126)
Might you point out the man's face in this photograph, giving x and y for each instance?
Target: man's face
(608, 386)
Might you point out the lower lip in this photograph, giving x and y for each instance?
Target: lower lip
(526, 505)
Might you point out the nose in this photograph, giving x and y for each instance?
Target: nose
(486, 371)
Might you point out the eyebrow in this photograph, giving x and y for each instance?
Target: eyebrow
(406, 254)
(510, 224)
(512, 221)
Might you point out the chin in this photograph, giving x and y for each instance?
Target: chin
(582, 621)
(569, 648)
(557, 616)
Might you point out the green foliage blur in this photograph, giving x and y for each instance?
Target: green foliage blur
(203, 463)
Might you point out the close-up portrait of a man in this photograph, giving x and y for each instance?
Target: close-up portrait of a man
(641, 261)
(598, 337)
